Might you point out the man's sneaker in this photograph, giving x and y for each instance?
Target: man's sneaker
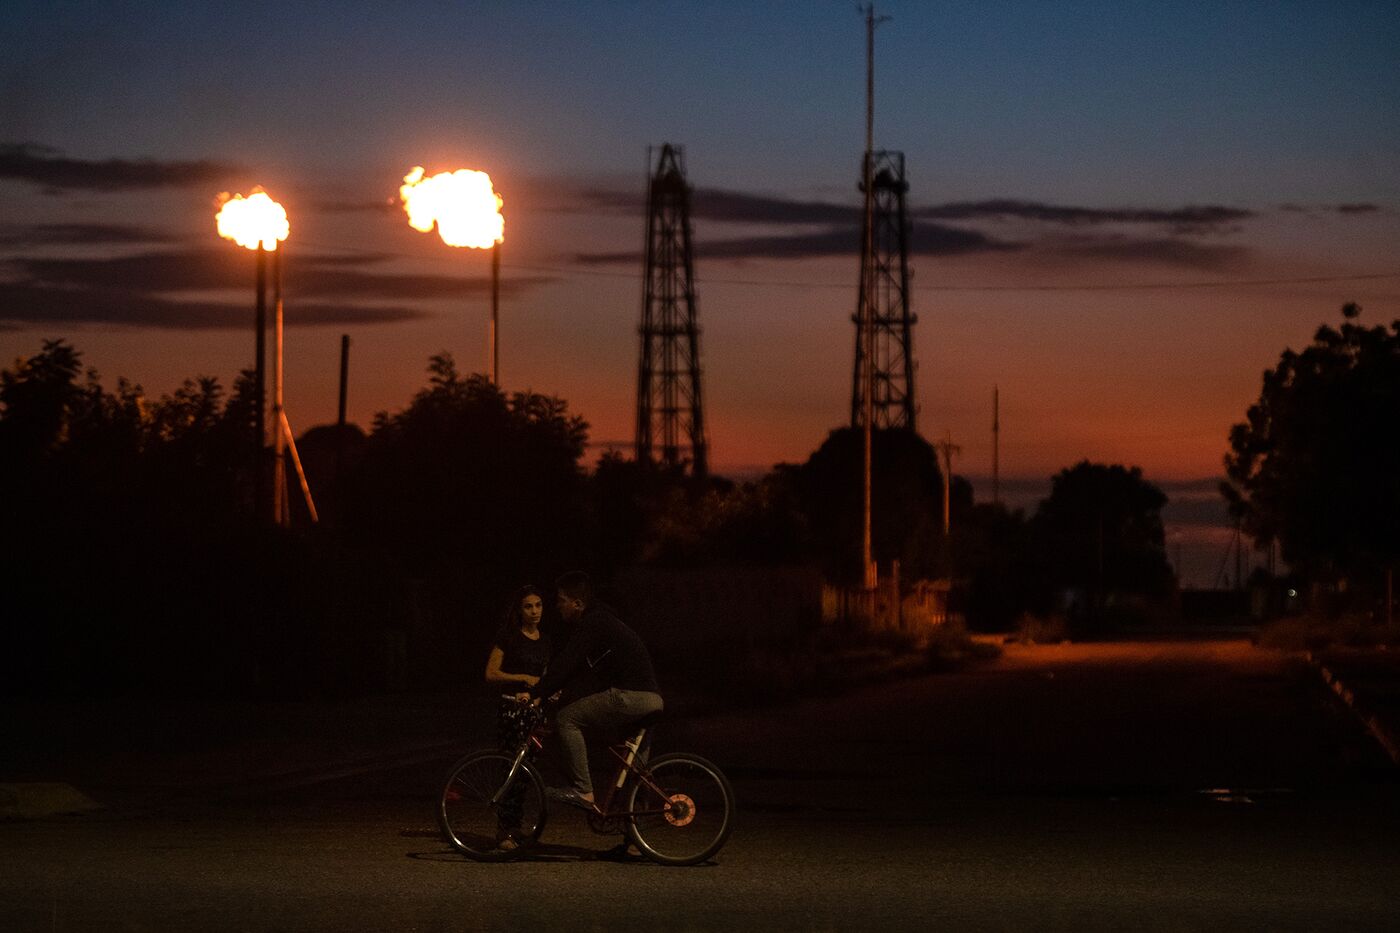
(570, 796)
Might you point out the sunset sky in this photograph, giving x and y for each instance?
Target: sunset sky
(1122, 212)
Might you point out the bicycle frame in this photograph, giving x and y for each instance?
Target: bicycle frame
(683, 817)
(628, 765)
(533, 738)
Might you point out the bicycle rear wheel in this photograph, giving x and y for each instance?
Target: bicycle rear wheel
(477, 810)
(689, 819)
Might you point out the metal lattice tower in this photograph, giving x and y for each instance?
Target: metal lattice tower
(670, 415)
(884, 267)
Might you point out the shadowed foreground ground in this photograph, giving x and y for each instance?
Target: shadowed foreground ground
(1162, 785)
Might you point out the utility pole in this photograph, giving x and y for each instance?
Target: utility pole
(281, 508)
(1390, 596)
(340, 421)
(495, 326)
(344, 374)
(1239, 557)
(996, 446)
(947, 448)
(284, 442)
(866, 338)
(259, 391)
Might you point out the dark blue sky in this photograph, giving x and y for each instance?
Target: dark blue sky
(1098, 102)
(1086, 146)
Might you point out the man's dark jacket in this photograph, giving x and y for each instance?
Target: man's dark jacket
(605, 647)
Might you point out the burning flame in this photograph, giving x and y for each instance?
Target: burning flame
(252, 220)
(462, 204)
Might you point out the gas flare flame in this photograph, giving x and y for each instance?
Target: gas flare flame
(463, 204)
(252, 220)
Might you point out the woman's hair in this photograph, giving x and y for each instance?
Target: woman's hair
(512, 613)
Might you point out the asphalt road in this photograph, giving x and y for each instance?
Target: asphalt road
(1160, 786)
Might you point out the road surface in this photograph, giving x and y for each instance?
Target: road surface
(1143, 785)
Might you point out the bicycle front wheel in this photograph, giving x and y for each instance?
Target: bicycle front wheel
(684, 814)
(478, 809)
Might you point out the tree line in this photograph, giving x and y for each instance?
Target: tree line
(133, 561)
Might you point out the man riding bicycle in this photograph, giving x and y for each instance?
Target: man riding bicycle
(623, 679)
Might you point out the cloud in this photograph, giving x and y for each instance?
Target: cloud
(1189, 219)
(15, 235)
(1177, 237)
(1199, 488)
(739, 207)
(23, 303)
(1211, 257)
(146, 290)
(1352, 208)
(924, 240)
(1204, 510)
(199, 269)
(46, 167)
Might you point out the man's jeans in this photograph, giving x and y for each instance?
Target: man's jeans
(611, 710)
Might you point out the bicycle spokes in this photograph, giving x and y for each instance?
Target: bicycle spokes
(489, 797)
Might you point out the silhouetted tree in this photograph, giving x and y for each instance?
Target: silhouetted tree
(1101, 530)
(652, 514)
(468, 474)
(906, 503)
(994, 559)
(328, 454)
(132, 561)
(36, 399)
(1316, 463)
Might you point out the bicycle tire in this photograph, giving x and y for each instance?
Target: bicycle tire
(472, 823)
(701, 816)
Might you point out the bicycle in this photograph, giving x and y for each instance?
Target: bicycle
(677, 808)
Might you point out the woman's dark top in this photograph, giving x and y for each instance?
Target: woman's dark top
(521, 655)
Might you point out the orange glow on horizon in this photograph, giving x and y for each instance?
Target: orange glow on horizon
(463, 205)
(250, 221)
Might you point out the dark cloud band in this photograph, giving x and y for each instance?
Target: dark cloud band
(306, 276)
(924, 240)
(28, 304)
(1196, 218)
(77, 235)
(49, 169)
(1166, 251)
(739, 207)
(142, 290)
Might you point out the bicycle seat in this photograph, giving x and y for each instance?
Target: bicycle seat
(649, 720)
